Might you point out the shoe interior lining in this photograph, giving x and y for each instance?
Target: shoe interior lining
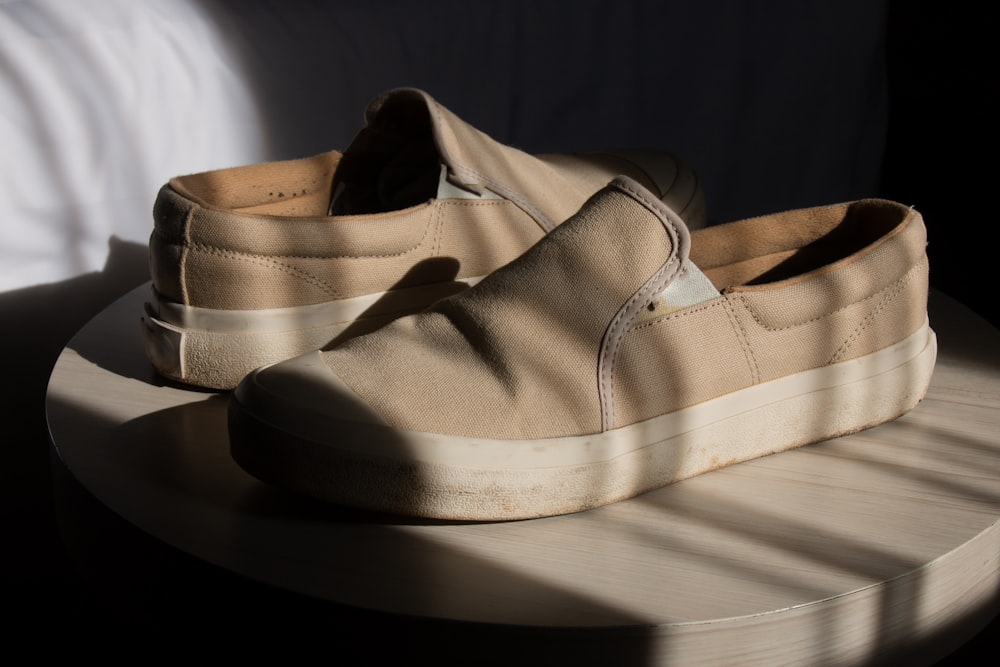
(392, 164)
(766, 249)
(287, 188)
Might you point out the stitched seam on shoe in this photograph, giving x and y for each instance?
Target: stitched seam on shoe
(608, 356)
(472, 202)
(676, 315)
(438, 226)
(738, 328)
(741, 332)
(515, 197)
(759, 320)
(185, 252)
(888, 294)
(439, 216)
(209, 247)
(611, 347)
(260, 260)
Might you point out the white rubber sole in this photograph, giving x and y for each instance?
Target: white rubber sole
(216, 349)
(374, 467)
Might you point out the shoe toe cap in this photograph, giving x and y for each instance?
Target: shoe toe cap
(302, 396)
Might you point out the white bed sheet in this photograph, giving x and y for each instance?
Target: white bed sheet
(100, 102)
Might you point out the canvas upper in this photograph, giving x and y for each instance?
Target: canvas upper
(257, 263)
(620, 353)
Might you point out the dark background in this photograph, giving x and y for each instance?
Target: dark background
(777, 107)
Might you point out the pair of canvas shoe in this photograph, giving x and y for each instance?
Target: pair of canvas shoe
(434, 324)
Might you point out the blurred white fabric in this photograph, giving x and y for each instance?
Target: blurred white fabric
(101, 101)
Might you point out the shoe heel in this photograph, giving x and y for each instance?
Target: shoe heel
(215, 360)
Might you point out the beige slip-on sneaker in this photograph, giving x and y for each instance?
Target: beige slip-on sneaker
(255, 264)
(619, 354)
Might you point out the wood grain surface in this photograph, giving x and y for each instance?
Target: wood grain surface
(851, 551)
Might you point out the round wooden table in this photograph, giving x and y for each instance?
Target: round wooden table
(853, 551)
